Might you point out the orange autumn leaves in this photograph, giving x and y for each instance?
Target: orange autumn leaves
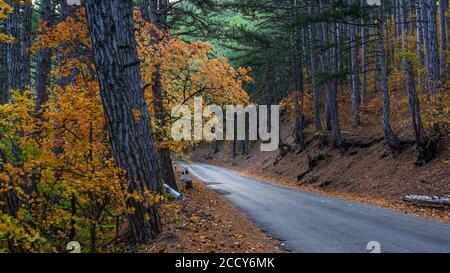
(186, 70)
(60, 166)
(58, 160)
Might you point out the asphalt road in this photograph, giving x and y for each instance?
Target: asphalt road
(309, 222)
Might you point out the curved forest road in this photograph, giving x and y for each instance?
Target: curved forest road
(309, 222)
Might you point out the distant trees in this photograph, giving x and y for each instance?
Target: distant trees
(338, 52)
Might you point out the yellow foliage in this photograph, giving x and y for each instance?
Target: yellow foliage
(187, 71)
(58, 161)
(4, 10)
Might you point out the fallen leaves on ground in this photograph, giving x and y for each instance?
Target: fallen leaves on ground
(207, 223)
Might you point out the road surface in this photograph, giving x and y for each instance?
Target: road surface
(309, 222)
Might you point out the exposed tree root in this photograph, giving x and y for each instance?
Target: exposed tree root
(312, 163)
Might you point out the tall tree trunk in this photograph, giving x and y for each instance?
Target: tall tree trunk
(244, 147)
(420, 42)
(322, 39)
(215, 146)
(13, 49)
(149, 10)
(425, 30)
(3, 75)
(9, 199)
(66, 10)
(330, 86)
(43, 65)
(390, 137)
(93, 238)
(234, 141)
(397, 18)
(297, 75)
(154, 12)
(354, 71)
(424, 148)
(433, 50)
(363, 57)
(443, 5)
(314, 64)
(164, 153)
(25, 45)
(163, 10)
(115, 56)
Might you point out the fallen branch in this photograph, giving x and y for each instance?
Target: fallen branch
(428, 200)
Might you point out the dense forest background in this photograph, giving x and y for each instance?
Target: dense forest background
(86, 93)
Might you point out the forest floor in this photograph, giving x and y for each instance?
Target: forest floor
(360, 173)
(207, 223)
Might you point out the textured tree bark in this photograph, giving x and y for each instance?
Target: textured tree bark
(327, 116)
(244, 147)
(420, 46)
(9, 198)
(424, 24)
(25, 44)
(13, 49)
(164, 153)
(390, 137)
(297, 76)
(354, 71)
(154, 12)
(3, 76)
(215, 146)
(433, 50)
(149, 9)
(234, 142)
(43, 65)
(314, 69)
(424, 148)
(128, 121)
(443, 5)
(363, 57)
(93, 238)
(66, 10)
(397, 18)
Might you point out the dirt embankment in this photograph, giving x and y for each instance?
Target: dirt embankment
(207, 223)
(360, 173)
